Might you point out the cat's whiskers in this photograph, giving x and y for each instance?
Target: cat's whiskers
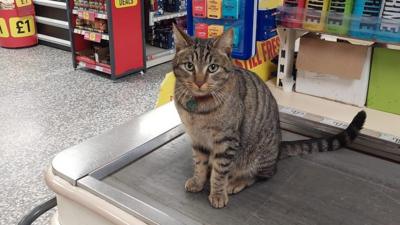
(181, 93)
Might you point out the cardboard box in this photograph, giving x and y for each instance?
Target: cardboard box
(383, 92)
(333, 70)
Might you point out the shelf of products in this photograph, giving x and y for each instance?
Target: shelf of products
(153, 17)
(365, 20)
(92, 36)
(89, 14)
(357, 40)
(101, 38)
(159, 35)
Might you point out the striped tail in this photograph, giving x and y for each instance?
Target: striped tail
(302, 147)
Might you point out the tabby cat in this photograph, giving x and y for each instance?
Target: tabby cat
(233, 119)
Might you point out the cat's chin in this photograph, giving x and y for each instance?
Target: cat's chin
(200, 94)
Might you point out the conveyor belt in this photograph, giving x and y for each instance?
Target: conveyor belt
(342, 187)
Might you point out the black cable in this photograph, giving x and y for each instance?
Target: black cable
(39, 210)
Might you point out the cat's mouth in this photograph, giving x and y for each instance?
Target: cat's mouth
(200, 93)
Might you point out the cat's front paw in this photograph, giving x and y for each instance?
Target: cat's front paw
(192, 185)
(218, 200)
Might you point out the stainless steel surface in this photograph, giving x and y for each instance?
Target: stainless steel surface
(82, 159)
(137, 204)
(137, 153)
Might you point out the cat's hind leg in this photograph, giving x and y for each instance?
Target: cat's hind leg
(267, 171)
(236, 185)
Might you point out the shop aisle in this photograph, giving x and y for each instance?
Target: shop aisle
(46, 107)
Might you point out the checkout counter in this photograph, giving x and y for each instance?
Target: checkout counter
(135, 174)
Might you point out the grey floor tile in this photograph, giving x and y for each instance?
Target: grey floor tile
(47, 106)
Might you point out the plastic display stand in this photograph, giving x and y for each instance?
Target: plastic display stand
(17, 26)
(125, 37)
(209, 18)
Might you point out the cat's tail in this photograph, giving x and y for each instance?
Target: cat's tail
(293, 148)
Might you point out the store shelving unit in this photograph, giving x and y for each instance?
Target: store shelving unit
(315, 116)
(128, 51)
(124, 37)
(52, 23)
(155, 55)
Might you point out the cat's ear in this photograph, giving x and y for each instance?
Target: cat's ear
(182, 40)
(224, 42)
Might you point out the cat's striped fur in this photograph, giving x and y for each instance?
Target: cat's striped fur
(233, 119)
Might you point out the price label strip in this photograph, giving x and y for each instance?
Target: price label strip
(292, 111)
(22, 3)
(334, 123)
(22, 26)
(391, 138)
(3, 29)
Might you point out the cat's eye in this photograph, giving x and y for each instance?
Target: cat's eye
(213, 68)
(189, 66)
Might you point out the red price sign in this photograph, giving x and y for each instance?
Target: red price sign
(93, 37)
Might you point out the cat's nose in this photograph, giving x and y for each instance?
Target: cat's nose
(199, 83)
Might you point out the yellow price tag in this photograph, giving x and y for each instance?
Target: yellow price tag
(92, 36)
(22, 3)
(3, 28)
(125, 3)
(22, 26)
(85, 15)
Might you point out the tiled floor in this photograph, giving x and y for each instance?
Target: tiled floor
(47, 106)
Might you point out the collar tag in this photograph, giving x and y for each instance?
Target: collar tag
(191, 104)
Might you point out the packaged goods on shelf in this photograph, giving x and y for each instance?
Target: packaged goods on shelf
(95, 54)
(174, 5)
(209, 18)
(315, 14)
(157, 6)
(365, 18)
(371, 20)
(389, 27)
(266, 24)
(161, 35)
(339, 12)
(162, 38)
(199, 8)
(99, 25)
(292, 13)
(91, 5)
